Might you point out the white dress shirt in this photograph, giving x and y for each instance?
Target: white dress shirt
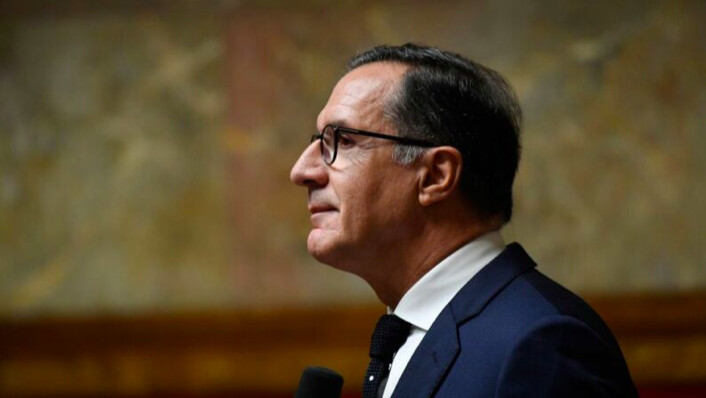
(425, 300)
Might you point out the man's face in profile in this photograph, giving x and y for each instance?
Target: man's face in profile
(359, 203)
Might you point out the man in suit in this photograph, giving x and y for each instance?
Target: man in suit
(409, 183)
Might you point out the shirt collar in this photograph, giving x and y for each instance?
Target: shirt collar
(425, 300)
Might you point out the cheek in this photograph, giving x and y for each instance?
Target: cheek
(369, 207)
(352, 212)
(374, 197)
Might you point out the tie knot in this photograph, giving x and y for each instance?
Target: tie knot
(389, 335)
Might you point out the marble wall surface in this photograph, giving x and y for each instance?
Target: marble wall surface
(145, 152)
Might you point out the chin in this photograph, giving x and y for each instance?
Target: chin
(317, 243)
(320, 246)
(327, 250)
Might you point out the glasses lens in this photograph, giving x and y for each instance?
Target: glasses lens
(328, 144)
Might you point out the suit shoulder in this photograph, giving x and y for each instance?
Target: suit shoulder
(526, 303)
(561, 356)
(555, 299)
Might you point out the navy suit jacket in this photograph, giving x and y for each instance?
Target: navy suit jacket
(513, 332)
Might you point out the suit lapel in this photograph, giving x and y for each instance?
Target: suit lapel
(431, 360)
(440, 346)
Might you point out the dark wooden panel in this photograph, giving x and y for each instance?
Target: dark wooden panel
(245, 353)
(643, 315)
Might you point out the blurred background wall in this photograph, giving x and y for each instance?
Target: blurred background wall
(151, 242)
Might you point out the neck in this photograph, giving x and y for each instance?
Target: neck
(401, 269)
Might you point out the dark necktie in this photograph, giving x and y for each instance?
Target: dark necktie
(390, 333)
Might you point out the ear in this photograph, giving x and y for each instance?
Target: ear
(439, 172)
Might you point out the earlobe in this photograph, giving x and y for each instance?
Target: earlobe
(440, 172)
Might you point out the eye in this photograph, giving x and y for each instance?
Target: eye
(344, 141)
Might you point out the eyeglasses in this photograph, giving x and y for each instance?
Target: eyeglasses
(330, 136)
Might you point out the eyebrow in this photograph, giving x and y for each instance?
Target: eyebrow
(338, 123)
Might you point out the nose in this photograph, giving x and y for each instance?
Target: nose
(309, 170)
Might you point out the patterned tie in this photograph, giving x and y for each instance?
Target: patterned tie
(390, 333)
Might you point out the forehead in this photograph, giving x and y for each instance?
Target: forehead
(358, 99)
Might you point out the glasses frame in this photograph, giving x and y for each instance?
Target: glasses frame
(338, 129)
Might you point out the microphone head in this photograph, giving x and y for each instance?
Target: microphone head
(318, 382)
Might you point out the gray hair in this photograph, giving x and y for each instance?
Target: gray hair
(407, 154)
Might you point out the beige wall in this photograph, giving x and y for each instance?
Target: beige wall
(144, 153)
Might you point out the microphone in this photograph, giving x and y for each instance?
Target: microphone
(318, 382)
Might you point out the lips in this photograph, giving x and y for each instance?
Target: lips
(321, 216)
(320, 208)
